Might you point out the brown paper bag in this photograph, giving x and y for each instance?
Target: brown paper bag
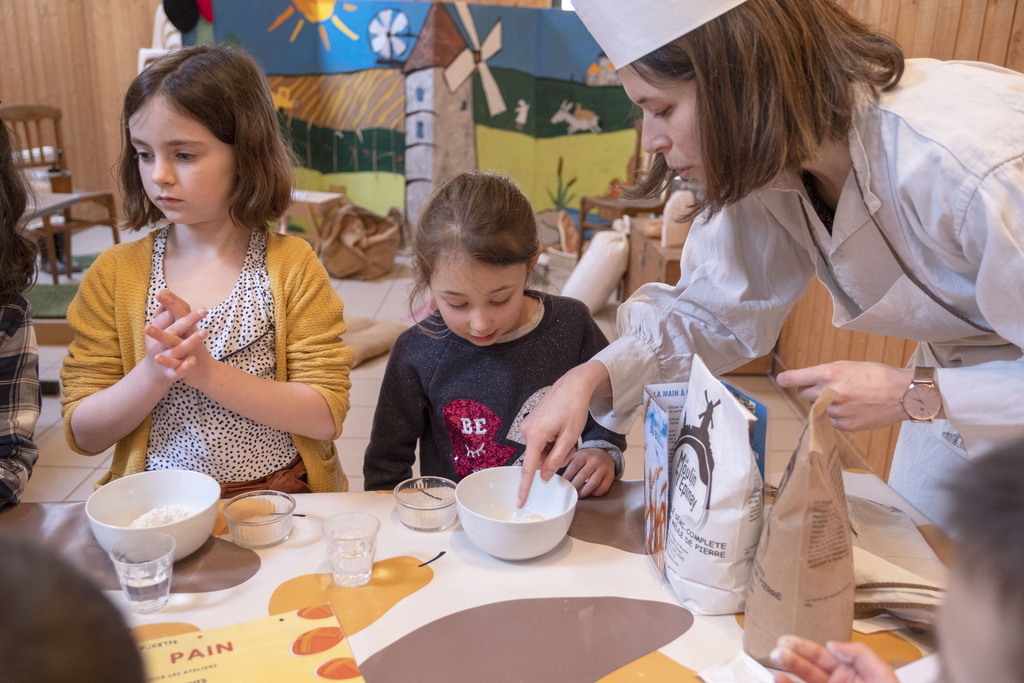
(802, 581)
(359, 243)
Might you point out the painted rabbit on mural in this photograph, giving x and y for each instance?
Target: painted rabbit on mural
(579, 119)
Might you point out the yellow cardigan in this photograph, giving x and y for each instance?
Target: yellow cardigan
(108, 318)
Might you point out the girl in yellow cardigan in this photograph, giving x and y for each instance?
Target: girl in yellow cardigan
(213, 344)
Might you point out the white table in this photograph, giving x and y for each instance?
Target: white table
(593, 608)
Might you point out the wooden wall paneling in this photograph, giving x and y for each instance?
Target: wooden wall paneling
(970, 27)
(77, 55)
(843, 339)
(944, 39)
(51, 67)
(888, 16)
(906, 25)
(924, 32)
(115, 66)
(21, 45)
(81, 125)
(995, 36)
(858, 347)
(11, 78)
(801, 334)
(825, 333)
(1015, 49)
(794, 335)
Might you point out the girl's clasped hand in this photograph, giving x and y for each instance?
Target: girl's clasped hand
(175, 342)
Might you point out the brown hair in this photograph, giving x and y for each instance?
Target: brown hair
(775, 80)
(17, 253)
(45, 637)
(224, 89)
(986, 516)
(484, 216)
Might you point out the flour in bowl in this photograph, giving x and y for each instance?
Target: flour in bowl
(162, 515)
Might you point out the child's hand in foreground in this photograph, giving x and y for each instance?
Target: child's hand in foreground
(835, 663)
(591, 471)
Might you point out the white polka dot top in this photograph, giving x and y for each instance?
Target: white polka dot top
(190, 430)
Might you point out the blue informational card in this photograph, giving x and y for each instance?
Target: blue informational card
(759, 433)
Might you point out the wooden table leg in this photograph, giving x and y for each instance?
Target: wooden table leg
(67, 253)
(51, 249)
(315, 223)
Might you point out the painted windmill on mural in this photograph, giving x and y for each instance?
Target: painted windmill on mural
(439, 138)
(390, 34)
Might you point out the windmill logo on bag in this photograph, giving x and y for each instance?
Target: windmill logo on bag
(695, 466)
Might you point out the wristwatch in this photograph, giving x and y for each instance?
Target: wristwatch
(922, 401)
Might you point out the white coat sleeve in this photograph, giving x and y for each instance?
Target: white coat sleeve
(983, 401)
(741, 274)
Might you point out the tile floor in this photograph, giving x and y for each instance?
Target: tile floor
(63, 475)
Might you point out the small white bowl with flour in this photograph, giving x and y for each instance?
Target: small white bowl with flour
(181, 503)
(487, 509)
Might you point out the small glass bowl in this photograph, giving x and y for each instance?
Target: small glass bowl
(426, 503)
(259, 519)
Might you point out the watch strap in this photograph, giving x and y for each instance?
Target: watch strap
(923, 374)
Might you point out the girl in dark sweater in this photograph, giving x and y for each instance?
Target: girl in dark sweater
(459, 384)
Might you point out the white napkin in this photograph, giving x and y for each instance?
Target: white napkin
(925, 670)
(742, 668)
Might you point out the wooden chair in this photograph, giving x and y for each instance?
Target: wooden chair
(37, 128)
(610, 208)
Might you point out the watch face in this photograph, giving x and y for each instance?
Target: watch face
(922, 402)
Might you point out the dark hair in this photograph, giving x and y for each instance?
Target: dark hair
(775, 79)
(17, 253)
(223, 88)
(987, 521)
(56, 625)
(484, 216)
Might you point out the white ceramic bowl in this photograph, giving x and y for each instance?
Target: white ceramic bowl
(113, 507)
(487, 509)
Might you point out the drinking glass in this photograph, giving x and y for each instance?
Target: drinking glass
(144, 563)
(351, 539)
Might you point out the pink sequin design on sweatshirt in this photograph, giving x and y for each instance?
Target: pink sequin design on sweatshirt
(472, 427)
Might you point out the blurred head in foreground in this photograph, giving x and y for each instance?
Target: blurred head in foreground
(56, 625)
(981, 623)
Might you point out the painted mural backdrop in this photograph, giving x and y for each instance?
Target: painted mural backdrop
(388, 98)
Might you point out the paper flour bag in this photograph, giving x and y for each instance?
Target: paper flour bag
(803, 581)
(714, 490)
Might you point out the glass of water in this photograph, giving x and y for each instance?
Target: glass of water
(144, 563)
(351, 539)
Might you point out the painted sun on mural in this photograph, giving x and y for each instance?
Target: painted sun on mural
(317, 12)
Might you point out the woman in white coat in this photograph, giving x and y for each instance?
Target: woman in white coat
(823, 153)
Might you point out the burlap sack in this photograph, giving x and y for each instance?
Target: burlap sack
(360, 243)
(802, 581)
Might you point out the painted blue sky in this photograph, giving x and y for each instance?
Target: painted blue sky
(547, 43)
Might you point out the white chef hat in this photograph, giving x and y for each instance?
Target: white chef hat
(628, 29)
